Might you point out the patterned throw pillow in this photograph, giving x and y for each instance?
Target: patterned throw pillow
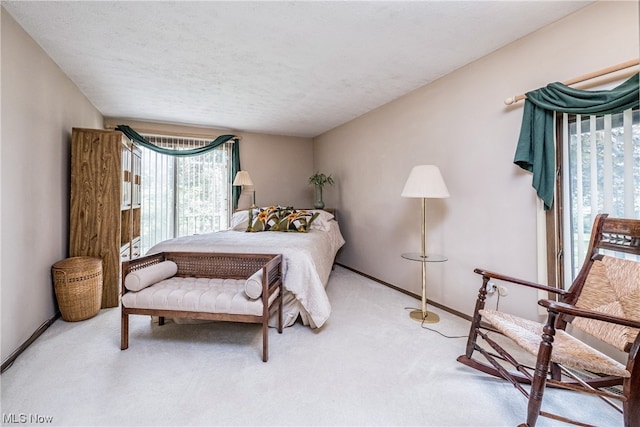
(297, 220)
(265, 218)
(279, 218)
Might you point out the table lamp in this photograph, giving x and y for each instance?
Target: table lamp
(243, 179)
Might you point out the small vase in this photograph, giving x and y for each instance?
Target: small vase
(319, 204)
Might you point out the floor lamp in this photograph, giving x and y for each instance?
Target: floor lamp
(425, 182)
(243, 179)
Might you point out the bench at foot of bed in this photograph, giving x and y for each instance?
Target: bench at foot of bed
(228, 287)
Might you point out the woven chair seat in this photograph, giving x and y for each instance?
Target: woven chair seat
(567, 350)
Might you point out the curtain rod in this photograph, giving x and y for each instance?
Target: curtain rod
(175, 133)
(583, 78)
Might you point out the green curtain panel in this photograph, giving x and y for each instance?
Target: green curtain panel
(235, 154)
(535, 151)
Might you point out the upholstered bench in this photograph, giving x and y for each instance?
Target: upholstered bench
(207, 286)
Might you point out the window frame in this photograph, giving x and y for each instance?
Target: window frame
(555, 232)
(554, 218)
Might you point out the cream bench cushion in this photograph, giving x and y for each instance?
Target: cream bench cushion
(197, 294)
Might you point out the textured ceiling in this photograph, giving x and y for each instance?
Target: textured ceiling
(288, 68)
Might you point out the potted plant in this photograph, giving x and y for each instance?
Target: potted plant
(319, 180)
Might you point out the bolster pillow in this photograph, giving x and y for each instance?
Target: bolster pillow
(253, 285)
(140, 279)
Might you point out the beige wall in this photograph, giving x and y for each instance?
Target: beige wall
(280, 167)
(461, 124)
(39, 107)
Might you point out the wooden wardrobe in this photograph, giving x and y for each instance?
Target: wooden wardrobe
(105, 203)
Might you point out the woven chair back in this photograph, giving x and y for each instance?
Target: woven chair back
(612, 287)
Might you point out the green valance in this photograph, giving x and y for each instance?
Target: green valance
(536, 151)
(235, 153)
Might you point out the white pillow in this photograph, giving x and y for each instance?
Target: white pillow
(253, 285)
(140, 279)
(322, 221)
(240, 220)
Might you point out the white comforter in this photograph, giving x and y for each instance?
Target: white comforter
(306, 265)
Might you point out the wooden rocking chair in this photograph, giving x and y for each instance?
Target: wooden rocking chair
(603, 301)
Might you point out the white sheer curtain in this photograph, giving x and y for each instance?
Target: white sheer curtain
(184, 195)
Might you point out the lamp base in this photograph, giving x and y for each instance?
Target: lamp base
(426, 317)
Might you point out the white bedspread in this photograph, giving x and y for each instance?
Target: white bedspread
(306, 264)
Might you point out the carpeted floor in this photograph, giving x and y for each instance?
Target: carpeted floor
(370, 364)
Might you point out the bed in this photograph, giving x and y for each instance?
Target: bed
(307, 258)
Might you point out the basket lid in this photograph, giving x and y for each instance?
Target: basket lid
(78, 261)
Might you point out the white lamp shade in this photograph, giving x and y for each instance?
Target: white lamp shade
(425, 181)
(242, 178)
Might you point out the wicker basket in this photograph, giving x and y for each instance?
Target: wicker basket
(78, 287)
